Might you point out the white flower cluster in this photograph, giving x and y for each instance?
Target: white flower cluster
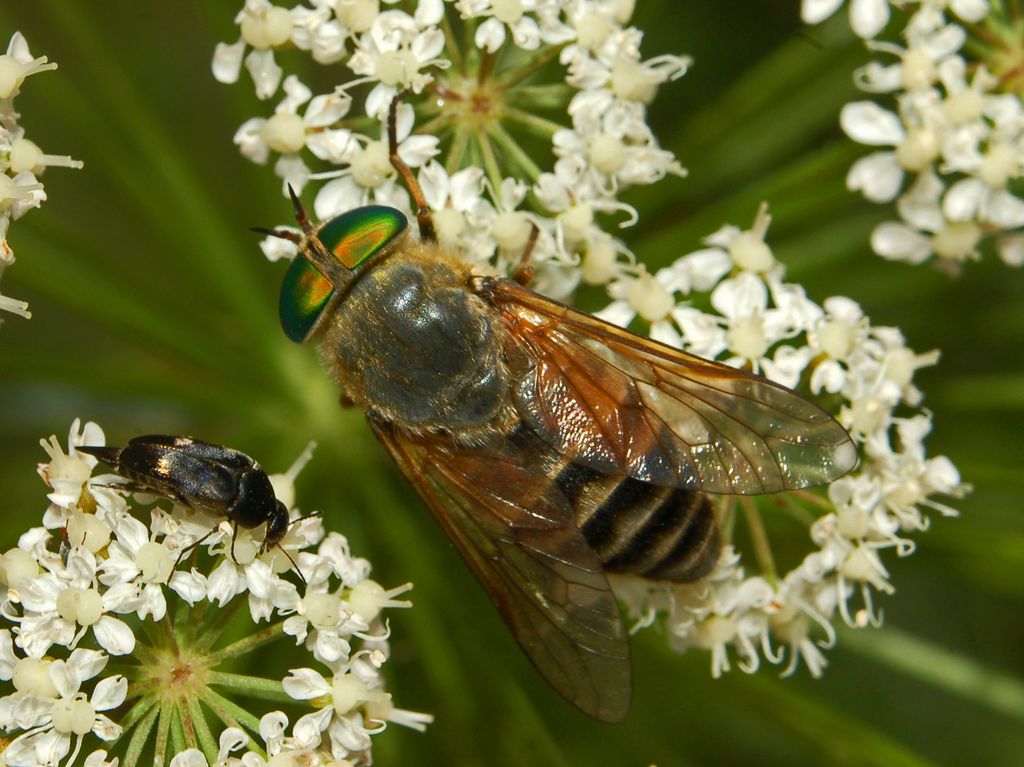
(471, 169)
(952, 145)
(476, 106)
(21, 161)
(760, 322)
(94, 582)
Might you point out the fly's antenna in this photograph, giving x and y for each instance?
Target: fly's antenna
(300, 212)
(300, 216)
(281, 234)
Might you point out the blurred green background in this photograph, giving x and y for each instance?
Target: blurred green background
(155, 312)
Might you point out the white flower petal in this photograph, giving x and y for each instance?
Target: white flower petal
(1011, 250)
(867, 123)
(105, 728)
(109, 693)
(114, 635)
(970, 10)
(490, 35)
(308, 728)
(868, 17)
(816, 11)
(190, 586)
(265, 73)
(898, 242)
(878, 176)
(224, 584)
(305, 684)
(1004, 210)
(190, 757)
(227, 63)
(963, 199)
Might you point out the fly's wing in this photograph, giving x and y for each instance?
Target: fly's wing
(619, 403)
(517, 533)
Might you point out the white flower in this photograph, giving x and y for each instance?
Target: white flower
(867, 17)
(17, 64)
(263, 27)
(357, 705)
(370, 175)
(100, 579)
(287, 133)
(138, 560)
(869, 513)
(520, 17)
(50, 721)
(61, 608)
(394, 51)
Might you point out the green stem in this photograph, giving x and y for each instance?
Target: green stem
(248, 644)
(759, 537)
(177, 733)
(458, 149)
(487, 64)
(139, 737)
(813, 499)
(490, 161)
(153, 637)
(168, 628)
(451, 46)
(137, 712)
(162, 733)
(188, 728)
(436, 125)
(515, 152)
(129, 672)
(538, 125)
(232, 714)
(727, 516)
(514, 76)
(539, 97)
(251, 686)
(186, 619)
(218, 620)
(143, 653)
(796, 511)
(207, 742)
(957, 674)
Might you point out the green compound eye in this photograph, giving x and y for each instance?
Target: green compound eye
(304, 294)
(352, 238)
(355, 236)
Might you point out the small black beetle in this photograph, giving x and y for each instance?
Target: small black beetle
(202, 476)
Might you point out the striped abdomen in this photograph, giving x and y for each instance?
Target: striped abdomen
(662, 533)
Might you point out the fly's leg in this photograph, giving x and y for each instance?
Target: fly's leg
(523, 273)
(426, 222)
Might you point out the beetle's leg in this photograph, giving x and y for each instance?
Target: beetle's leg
(234, 537)
(190, 547)
(297, 570)
(523, 273)
(426, 222)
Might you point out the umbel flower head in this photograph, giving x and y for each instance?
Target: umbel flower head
(489, 90)
(118, 631)
(21, 161)
(946, 120)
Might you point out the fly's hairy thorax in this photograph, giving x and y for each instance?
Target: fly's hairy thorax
(411, 344)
